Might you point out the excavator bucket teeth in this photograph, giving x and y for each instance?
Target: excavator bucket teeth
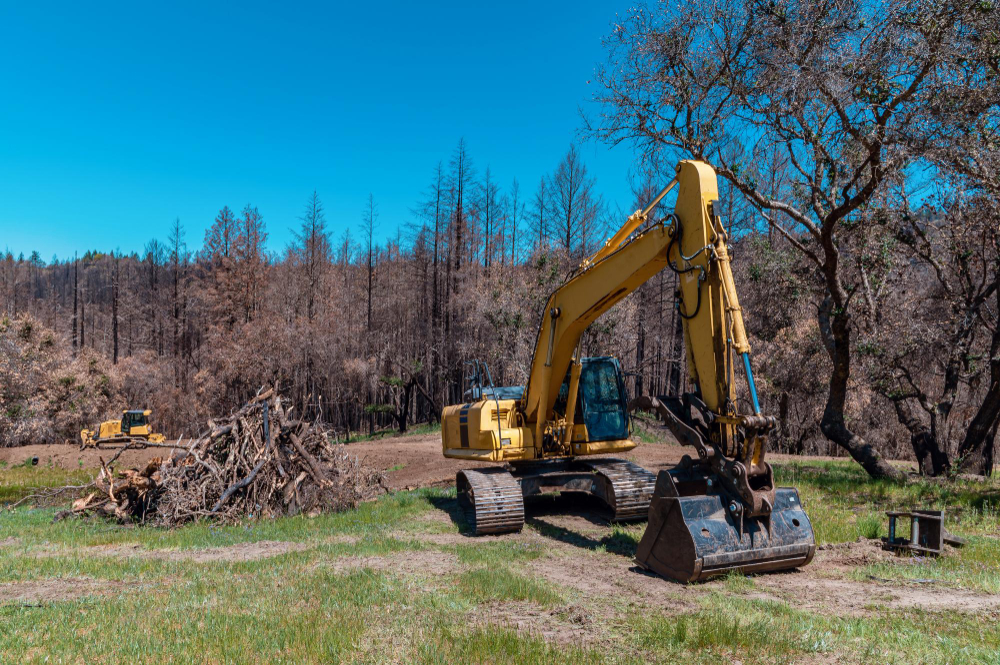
(691, 538)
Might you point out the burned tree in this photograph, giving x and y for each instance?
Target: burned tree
(838, 91)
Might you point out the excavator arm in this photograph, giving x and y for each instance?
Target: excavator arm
(691, 242)
(572, 308)
(720, 510)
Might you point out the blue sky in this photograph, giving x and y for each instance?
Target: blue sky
(117, 118)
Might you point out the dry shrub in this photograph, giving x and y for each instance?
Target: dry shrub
(46, 395)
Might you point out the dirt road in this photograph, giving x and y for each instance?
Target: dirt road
(417, 461)
(409, 461)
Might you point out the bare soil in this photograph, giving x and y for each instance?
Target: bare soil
(50, 590)
(69, 456)
(230, 553)
(583, 557)
(410, 461)
(570, 624)
(425, 563)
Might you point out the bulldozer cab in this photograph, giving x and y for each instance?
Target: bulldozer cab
(135, 422)
(602, 404)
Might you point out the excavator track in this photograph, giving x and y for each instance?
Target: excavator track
(628, 487)
(491, 499)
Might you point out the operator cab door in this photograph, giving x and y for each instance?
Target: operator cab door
(601, 405)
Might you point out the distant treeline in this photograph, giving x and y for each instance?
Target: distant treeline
(369, 336)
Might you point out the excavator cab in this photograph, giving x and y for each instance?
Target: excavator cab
(602, 405)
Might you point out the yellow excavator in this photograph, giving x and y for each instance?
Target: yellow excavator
(133, 428)
(715, 512)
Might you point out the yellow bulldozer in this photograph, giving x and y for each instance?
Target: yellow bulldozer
(716, 511)
(133, 428)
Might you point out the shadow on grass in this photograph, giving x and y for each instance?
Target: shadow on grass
(450, 505)
(985, 501)
(584, 507)
(616, 543)
(568, 504)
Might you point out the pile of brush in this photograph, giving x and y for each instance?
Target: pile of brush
(259, 462)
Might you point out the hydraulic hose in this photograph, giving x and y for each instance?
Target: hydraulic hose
(750, 382)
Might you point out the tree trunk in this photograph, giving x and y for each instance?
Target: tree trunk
(976, 449)
(177, 315)
(931, 460)
(640, 351)
(371, 275)
(76, 298)
(404, 408)
(83, 323)
(114, 308)
(838, 338)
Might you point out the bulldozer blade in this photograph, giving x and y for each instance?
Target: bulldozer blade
(691, 538)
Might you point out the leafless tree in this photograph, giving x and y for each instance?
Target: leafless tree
(838, 87)
(115, 293)
(540, 223)
(574, 206)
(515, 213)
(250, 260)
(368, 225)
(312, 252)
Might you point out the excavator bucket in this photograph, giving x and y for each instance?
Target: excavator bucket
(695, 532)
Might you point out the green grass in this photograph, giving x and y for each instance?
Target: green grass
(976, 566)
(301, 606)
(419, 429)
(738, 583)
(294, 607)
(501, 584)
(843, 503)
(497, 553)
(772, 631)
(499, 644)
(393, 513)
(21, 480)
(217, 616)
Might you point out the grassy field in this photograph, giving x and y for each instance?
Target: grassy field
(396, 581)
